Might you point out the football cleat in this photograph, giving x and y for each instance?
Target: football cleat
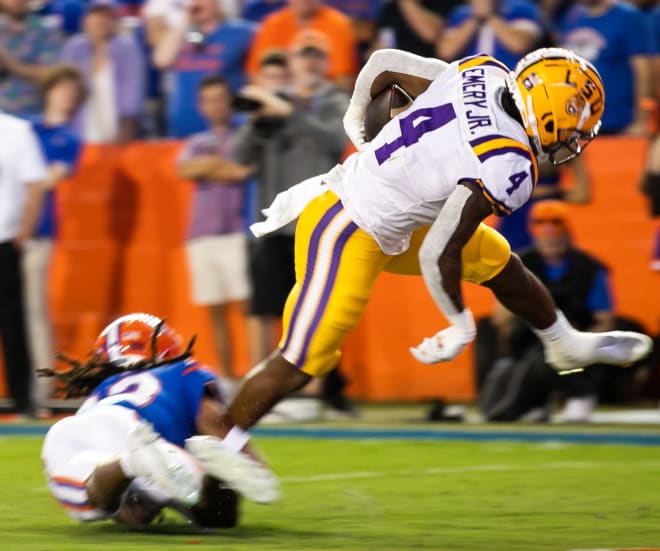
(160, 463)
(577, 349)
(248, 477)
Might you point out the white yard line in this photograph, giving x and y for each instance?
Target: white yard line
(554, 465)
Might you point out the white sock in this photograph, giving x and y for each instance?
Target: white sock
(236, 439)
(557, 330)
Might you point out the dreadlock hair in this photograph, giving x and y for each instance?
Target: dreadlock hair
(84, 377)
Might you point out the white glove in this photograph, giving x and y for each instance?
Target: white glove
(354, 125)
(448, 343)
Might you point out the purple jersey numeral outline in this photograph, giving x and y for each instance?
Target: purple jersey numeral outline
(432, 119)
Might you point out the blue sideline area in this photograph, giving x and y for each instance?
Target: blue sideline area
(476, 435)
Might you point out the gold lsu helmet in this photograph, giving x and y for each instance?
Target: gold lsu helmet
(561, 99)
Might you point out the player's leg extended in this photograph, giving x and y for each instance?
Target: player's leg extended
(91, 459)
(336, 267)
(487, 260)
(70, 462)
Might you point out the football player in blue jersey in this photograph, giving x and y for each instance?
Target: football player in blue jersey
(131, 448)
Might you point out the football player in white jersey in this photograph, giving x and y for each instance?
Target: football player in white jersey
(412, 201)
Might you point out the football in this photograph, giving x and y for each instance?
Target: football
(383, 107)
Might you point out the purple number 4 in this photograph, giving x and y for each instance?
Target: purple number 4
(414, 126)
(515, 179)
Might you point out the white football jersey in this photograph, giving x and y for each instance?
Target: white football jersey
(457, 130)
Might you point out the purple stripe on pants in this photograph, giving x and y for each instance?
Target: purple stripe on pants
(327, 290)
(311, 261)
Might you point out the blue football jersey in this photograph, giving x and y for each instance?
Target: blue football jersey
(168, 397)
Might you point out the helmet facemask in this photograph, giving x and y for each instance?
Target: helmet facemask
(570, 144)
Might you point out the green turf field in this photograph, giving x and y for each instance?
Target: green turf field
(385, 495)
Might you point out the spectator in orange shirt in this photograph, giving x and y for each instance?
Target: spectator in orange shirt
(279, 29)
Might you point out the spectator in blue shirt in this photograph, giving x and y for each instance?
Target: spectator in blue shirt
(206, 44)
(614, 37)
(63, 92)
(505, 29)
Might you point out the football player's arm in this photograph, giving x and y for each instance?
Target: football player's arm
(210, 418)
(412, 72)
(441, 264)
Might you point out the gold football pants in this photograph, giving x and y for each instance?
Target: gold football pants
(337, 264)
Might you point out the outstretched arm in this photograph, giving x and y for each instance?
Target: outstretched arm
(440, 254)
(441, 264)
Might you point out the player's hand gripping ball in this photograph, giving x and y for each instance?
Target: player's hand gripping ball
(383, 107)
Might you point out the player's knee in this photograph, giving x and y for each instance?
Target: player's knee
(485, 255)
(509, 279)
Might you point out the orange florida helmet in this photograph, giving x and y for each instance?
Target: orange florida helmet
(561, 98)
(135, 338)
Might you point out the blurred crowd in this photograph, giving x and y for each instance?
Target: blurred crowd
(256, 91)
(141, 62)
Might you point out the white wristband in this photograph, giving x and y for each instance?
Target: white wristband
(464, 321)
(236, 439)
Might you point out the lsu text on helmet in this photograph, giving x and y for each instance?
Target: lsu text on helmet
(561, 99)
(136, 338)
